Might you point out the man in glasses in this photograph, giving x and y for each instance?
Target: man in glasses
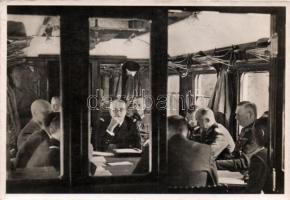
(119, 131)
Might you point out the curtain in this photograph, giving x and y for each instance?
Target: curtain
(13, 121)
(221, 100)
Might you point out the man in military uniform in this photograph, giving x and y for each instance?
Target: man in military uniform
(246, 115)
(212, 133)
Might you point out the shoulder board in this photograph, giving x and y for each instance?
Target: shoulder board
(196, 128)
(218, 130)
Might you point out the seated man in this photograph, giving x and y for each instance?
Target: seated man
(40, 109)
(213, 134)
(55, 104)
(34, 151)
(117, 132)
(246, 115)
(259, 170)
(189, 163)
(190, 117)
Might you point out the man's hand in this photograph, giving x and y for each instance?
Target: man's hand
(112, 125)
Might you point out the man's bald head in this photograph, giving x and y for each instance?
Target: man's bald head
(205, 118)
(40, 109)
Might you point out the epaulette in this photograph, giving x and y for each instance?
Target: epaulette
(218, 130)
(196, 128)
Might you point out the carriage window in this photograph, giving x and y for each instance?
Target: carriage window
(204, 88)
(34, 133)
(255, 88)
(120, 101)
(173, 95)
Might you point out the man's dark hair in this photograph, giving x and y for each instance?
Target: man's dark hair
(176, 121)
(259, 134)
(249, 105)
(53, 119)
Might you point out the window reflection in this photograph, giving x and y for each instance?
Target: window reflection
(33, 97)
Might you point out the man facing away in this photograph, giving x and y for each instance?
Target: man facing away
(119, 131)
(189, 163)
(40, 109)
(259, 169)
(214, 134)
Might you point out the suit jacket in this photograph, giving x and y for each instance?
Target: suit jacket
(34, 151)
(28, 129)
(188, 162)
(126, 135)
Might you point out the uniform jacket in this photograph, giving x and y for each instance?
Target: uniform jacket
(126, 135)
(218, 137)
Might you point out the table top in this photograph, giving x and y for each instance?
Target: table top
(230, 178)
(113, 166)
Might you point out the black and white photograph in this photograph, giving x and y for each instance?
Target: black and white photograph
(157, 99)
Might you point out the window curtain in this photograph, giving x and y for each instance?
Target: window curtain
(13, 121)
(222, 98)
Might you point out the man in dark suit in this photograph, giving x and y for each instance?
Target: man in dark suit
(259, 169)
(189, 163)
(119, 131)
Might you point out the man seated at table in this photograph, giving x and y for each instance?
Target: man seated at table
(55, 104)
(259, 170)
(34, 152)
(190, 118)
(246, 114)
(119, 131)
(189, 163)
(40, 109)
(212, 133)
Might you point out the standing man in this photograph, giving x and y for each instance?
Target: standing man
(119, 131)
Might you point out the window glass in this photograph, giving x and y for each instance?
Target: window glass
(204, 88)
(120, 101)
(34, 133)
(255, 88)
(173, 95)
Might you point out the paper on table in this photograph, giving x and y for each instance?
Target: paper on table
(120, 163)
(233, 181)
(101, 153)
(98, 160)
(100, 171)
(128, 150)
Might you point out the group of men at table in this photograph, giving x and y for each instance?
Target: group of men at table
(197, 144)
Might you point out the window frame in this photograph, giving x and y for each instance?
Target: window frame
(76, 137)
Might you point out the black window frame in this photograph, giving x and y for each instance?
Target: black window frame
(75, 41)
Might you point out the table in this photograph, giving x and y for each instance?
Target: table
(118, 170)
(230, 178)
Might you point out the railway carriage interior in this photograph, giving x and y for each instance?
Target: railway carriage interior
(160, 100)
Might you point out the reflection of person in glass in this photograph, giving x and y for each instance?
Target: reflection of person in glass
(119, 131)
